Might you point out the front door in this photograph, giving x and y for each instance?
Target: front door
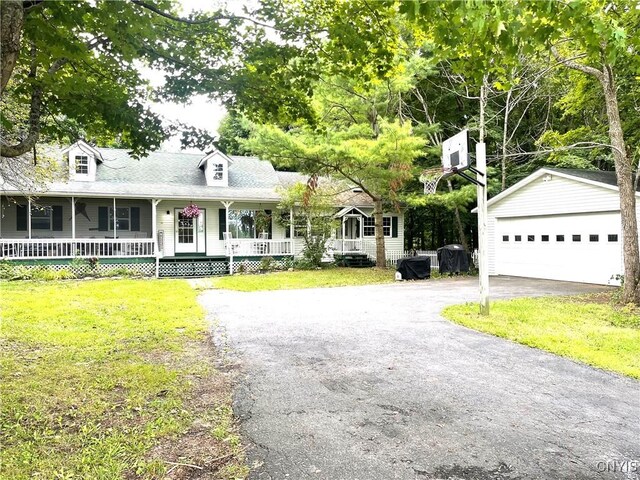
(352, 228)
(189, 233)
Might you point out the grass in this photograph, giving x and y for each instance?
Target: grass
(585, 328)
(103, 379)
(329, 277)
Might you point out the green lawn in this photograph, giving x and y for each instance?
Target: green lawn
(329, 277)
(106, 379)
(587, 328)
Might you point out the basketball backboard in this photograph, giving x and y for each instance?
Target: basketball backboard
(455, 152)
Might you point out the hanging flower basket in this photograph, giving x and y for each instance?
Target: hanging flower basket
(191, 211)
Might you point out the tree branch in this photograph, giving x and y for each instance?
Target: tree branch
(34, 114)
(577, 66)
(188, 21)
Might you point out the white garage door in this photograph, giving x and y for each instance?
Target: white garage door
(579, 248)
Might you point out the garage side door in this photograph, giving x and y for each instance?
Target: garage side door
(579, 248)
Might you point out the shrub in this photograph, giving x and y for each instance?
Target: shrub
(266, 264)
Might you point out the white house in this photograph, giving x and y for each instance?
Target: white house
(125, 211)
(558, 224)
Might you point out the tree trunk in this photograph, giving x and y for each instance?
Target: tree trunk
(626, 186)
(12, 18)
(503, 184)
(381, 261)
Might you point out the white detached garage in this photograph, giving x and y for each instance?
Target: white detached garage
(558, 224)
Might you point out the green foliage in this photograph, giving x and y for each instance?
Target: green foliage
(266, 264)
(590, 331)
(378, 164)
(312, 216)
(232, 131)
(97, 373)
(86, 59)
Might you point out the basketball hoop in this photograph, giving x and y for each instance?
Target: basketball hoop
(430, 179)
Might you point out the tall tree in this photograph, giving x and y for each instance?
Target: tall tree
(591, 36)
(378, 164)
(78, 63)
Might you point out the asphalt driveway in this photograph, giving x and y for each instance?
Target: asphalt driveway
(371, 383)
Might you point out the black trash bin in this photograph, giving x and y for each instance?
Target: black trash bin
(453, 259)
(414, 268)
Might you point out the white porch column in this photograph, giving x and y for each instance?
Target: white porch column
(115, 217)
(228, 246)
(73, 218)
(344, 233)
(154, 232)
(29, 218)
(291, 231)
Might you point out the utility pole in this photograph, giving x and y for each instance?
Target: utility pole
(482, 183)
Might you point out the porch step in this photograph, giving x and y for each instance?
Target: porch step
(193, 267)
(353, 260)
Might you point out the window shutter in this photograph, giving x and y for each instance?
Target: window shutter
(394, 227)
(21, 218)
(56, 218)
(222, 216)
(135, 219)
(103, 219)
(268, 212)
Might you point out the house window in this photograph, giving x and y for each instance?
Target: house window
(386, 226)
(123, 218)
(559, 238)
(594, 238)
(544, 238)
(41, 218)
(612, 237)
(518, 238)
(505, 238)
(218, 170)
(82, 165)
(531, 238)
(369, 226)
(249, 223)
(576, 238)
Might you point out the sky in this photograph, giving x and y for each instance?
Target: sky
(201, 112)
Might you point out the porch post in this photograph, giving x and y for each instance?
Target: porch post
(344, 233)
(154, 233)
(291, 230)
(115, 223)
(228, 246)
(73, 218)
(29, 217)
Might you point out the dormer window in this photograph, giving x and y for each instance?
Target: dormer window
(218, 170)
(82, 160)
(82, 165)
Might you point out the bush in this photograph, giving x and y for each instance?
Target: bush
(266, 264)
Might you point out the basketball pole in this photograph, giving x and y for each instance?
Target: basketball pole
(483, 260)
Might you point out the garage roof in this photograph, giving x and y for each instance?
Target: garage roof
(592, 177)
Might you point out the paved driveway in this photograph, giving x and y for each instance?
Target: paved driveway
(371, 383)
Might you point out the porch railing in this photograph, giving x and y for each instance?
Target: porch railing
(348, 245)
(248, 247)
(68, 248)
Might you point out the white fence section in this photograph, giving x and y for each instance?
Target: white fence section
(395, 255)
(250, 247)
(67, 248)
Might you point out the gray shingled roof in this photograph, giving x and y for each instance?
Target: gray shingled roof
(173, 175)
(608, 178)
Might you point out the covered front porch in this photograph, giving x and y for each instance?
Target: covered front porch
(65, 228)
